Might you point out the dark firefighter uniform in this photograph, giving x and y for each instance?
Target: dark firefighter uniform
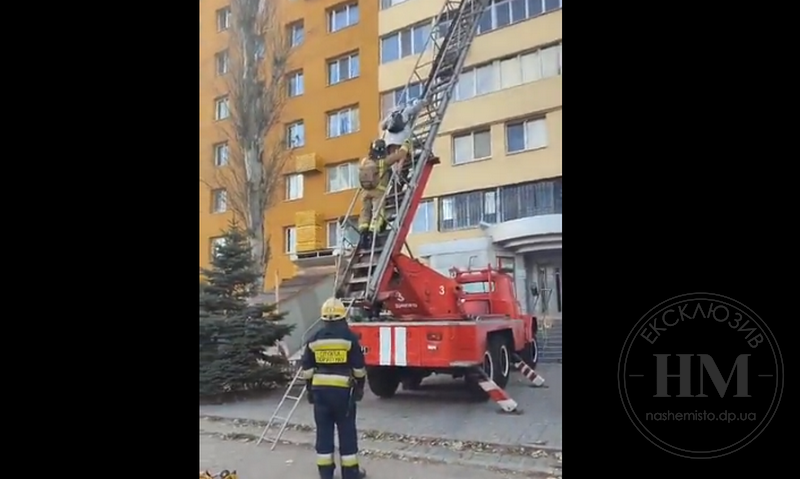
(333, 365)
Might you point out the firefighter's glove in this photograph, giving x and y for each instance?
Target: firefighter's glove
(309, 394)
(358, 390)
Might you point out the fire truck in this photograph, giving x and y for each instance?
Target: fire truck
(412, 320)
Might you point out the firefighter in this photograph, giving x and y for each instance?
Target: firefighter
(373, 175)
(333, 366)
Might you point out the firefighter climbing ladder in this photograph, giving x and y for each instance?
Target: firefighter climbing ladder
(360, 272)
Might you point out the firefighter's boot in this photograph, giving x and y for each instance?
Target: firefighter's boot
(365, 240)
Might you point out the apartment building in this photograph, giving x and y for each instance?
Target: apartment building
(496, 196)
(329, 121)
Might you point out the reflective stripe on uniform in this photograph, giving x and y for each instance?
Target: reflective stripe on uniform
(359, 372)
(325, 459)
(349, 460)
(307, 373)
(334, 380)
(330, 345)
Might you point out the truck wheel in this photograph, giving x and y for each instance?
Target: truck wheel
(383, 382)
(531, 353)
(497, 360)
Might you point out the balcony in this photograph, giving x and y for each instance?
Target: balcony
(526, 235)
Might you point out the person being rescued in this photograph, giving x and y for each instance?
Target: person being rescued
(375, 170)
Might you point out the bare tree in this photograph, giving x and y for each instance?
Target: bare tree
(258, 55)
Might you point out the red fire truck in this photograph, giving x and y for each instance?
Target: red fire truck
(415, 321)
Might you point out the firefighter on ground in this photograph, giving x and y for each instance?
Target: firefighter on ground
(333, 366)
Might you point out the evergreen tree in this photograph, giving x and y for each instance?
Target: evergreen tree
(231, 280)
(234, 333)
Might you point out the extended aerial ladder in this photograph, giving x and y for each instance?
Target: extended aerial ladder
(362, 272)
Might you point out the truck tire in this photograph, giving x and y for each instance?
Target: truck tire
(383, 382)
(498, 360)
(531, 353)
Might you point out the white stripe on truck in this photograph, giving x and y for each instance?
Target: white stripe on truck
(385, 358)
(400, 346)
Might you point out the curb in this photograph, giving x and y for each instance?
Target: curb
(537, 463)
(520, 449)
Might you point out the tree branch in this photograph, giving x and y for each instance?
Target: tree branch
(259, 52)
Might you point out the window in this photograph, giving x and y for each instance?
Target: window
(343, 176)
(221, 154)
(390, 3)
(391, 99)
(487, 79)
(550, 61)
(216, 243)
(219, 201)
(509, 72)
(406, 42)
(347, 238)
(424, 219)
(294, 186)
(221, 60)
(530, 199)
(343, 122)
(296, 134)
(221, 110)
(500, 13)
(290, 240)
(467, 210)
(506, 264)
(344, 68)
(223, 19)
(342, 17)
(296, 33)
(478, 81)
(526, 135)
(296, 86)
(471, 147)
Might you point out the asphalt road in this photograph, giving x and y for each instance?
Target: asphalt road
(296, 462)
(441, 410)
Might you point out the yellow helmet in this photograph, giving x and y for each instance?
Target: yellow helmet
(333, 310)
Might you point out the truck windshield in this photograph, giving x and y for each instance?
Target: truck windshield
(480, 287)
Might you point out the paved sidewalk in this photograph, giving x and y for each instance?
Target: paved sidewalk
(296, 462)
(529, 461)
(441, 411)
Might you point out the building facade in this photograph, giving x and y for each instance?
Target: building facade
(496, 196)
(329, 119)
